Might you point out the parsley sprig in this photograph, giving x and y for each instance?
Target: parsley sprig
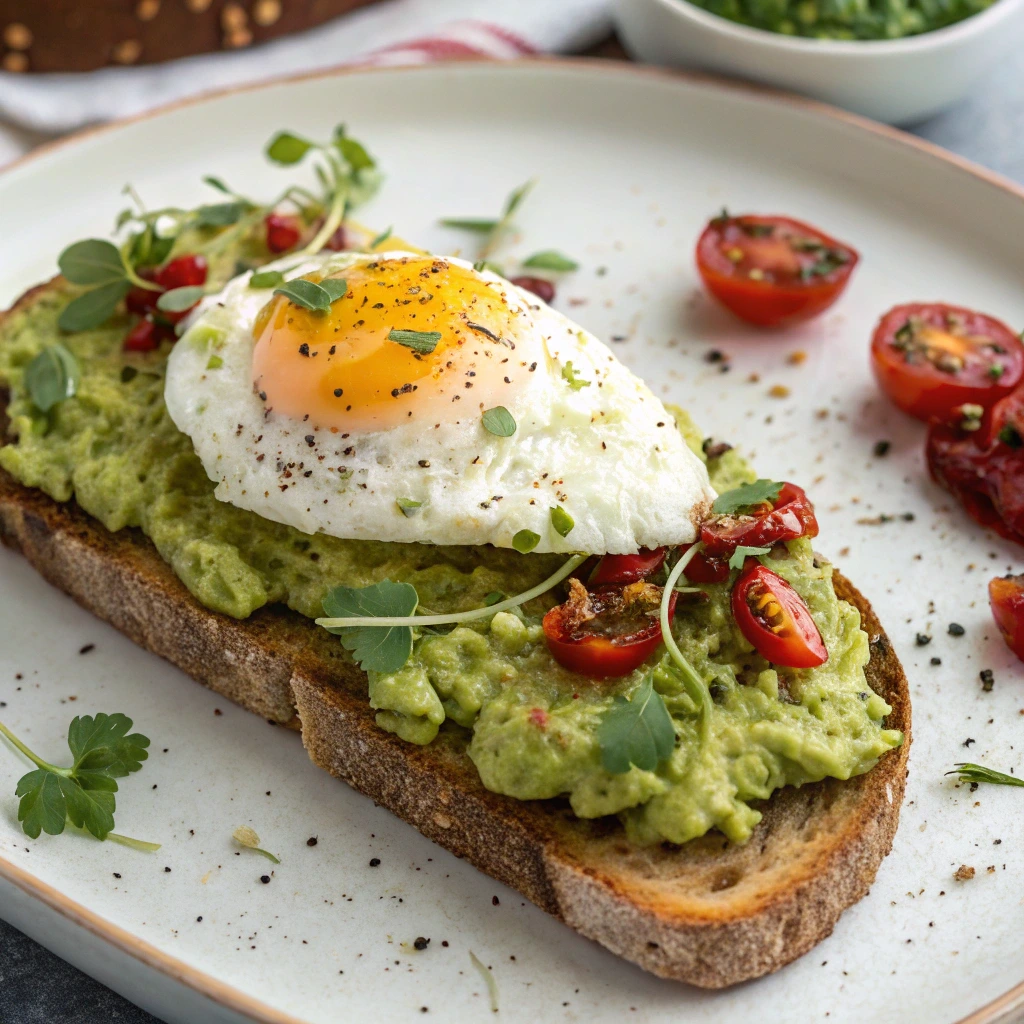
(102, 751)
(377, 623)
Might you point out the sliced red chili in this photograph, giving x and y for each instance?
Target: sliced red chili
(791, 516)
(606, 632)
(774, 618)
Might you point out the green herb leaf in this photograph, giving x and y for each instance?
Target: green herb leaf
(375, 648)
(525, 541)
(103, 751)
(742, 552)
(499, 421)
(516, 197)
(217, 183)
(93, 261)
(309, 294)
(381, 238)
(561, 521)
(177, 300)
(51, 377)
(266, 279)
(285, 148)
(747, 496)
(214, 363)
(493, 598)
(42, 807)
(93, 308)
(219, 215)
(550, 259)
(636, 732)
(336, 287)
(477, 224)
(569, 376)
(419, 341)
(979, 773)
(150, 249)
(488, 265)
(408, 506)
(353, 152)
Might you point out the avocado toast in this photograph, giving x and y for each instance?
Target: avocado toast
(658, 888)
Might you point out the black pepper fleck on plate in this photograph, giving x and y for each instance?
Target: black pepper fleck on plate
(375, 862)
(988, 680)
(955, 629)
(922, 639)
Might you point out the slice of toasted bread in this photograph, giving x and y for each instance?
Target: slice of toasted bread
(709, 912)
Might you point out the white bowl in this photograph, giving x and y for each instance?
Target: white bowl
(898, 81)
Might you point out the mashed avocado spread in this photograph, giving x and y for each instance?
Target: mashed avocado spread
(531, 725)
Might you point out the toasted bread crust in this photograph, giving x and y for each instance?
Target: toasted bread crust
(709, 913)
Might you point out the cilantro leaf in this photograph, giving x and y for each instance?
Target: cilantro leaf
(743, 552)
(103, 744)
(746, 496)
(569, 376)
(375, 648)
(636, 732)
(42, 807)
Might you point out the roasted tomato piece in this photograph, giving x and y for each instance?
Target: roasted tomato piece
(703, 568)
(772, 271)
(790, 517)
(984, 466)
(627, 568)
(1006, 597)
(932, 358)
(774, 618)
(283, 231)
(607, 631)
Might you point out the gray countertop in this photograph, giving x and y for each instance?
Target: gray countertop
(40, 988)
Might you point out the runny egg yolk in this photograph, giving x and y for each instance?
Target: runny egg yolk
(375, 359)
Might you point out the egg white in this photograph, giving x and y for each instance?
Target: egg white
(608, 453)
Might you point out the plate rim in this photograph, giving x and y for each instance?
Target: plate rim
(1006, 1007)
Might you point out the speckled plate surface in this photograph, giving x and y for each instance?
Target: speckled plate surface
(629, 164)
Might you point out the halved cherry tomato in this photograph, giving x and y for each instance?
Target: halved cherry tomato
(791, 516)
(608, 639)
(703, 568)
(930, 358)
(283, 231)
(1006, 598)
(774, 618)
(984, 467)
(627, 568)
(772, 271)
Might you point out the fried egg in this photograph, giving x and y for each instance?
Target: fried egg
(432, 402)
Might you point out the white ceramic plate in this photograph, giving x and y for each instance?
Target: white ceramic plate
(630, 163)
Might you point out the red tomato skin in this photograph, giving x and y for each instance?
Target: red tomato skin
(283, 231)
(702, 568)
(145, 336)
(792, 517)
(601, 657)
(1006, 599)
(767, 303)
(624, 569)
(539, 286)
(804, 648)
(927, 393)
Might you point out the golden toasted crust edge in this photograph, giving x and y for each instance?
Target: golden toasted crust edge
(708, 913)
